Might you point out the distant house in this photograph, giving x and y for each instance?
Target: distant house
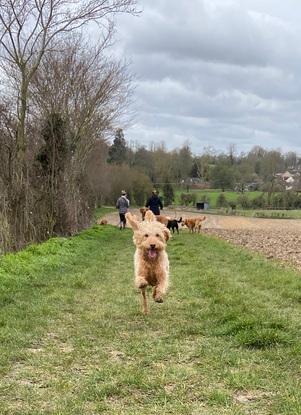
(195, 183)
(287, 175)
(290, 180)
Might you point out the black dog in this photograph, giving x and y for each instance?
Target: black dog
(173, 224)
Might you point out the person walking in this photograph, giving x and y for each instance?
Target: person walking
(122, 205)
(154, 203)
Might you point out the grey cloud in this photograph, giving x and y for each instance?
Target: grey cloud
(196, 33)
(216, 72)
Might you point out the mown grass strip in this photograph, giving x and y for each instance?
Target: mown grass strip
(73, 339)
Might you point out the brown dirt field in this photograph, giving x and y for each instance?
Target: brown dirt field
(278, 239)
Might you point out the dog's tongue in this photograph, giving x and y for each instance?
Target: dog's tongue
(152, 253)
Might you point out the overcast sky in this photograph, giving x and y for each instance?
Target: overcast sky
(215, 73)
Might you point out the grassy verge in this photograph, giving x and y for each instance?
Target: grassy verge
(101, 211)
(73, 340)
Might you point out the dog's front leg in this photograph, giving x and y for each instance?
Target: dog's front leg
(141, 283)
(157, 294)
(144, 301)
(161, 287)
(140, 273)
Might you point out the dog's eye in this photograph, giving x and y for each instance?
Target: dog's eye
(146, 235)
(157, 235)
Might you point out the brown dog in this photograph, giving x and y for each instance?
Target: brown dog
(143, 211)
(150, 260)
(102, 222)
(162, 219)
(194, 224)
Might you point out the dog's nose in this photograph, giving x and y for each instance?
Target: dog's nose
(153, 246)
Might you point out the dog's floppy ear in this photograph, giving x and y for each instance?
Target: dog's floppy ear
(134, 223)
(167, 234)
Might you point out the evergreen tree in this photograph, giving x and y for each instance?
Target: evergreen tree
(118, 150)
(222, 177)
(168, 194)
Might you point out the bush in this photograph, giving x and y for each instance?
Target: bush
(221, 201)
(259, 202)
(286, 200)
(243, 201)
(188, 198)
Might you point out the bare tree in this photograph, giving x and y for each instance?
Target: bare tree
(29, 28)
(81, 94)
(85, 87)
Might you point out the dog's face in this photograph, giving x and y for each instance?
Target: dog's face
(150, 237)
(184, 222)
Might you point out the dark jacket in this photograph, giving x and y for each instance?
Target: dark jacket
(154, 203)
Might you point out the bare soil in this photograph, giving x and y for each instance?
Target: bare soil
(278, 239)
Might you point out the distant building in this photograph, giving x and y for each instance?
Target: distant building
(290, 180)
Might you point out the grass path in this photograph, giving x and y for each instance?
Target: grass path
(73, 339)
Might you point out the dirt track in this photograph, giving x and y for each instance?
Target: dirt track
(276, 238)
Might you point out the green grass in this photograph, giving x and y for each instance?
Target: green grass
(232, 197)
(213, 194)
(73, 339)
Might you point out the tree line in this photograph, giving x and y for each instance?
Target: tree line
(63, 99)
(61, 94)
(253, 170)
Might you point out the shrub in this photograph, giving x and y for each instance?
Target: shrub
(221, 201)
(259, 202)
(243, 201)
(188, 198)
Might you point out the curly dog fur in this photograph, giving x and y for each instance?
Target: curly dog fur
(150, 259)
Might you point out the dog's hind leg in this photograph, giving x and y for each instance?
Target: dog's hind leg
(144, 301)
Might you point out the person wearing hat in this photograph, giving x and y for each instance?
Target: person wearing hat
(154, 203)
(122, 205)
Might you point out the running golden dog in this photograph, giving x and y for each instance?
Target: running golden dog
(150, 259)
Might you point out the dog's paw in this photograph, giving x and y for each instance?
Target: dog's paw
(158, 299)
(142, 284)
